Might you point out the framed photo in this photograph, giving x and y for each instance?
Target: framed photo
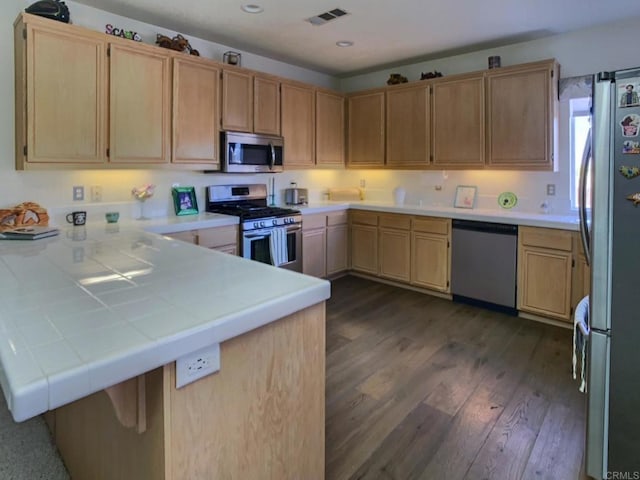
(184, 200)
(465, 196)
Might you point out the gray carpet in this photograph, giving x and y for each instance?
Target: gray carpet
(26, 450)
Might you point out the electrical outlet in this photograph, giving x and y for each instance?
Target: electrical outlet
(96, 193)
(551, 189)
(78, 193)
(363, 183)
(197, 365)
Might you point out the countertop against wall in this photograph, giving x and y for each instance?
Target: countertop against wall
(513, 217)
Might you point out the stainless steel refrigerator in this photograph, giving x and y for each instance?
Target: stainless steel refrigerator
(613, 353)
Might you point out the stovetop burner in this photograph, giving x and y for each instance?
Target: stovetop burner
(251, 211)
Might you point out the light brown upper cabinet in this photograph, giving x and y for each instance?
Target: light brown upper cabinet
(521, 109)
(237, 100)
(408, 126)
(266, 105)
(250, 102)
(60, 95)
(298, 125)
(140, 111)
(458, 122)
(329, 128)
(366, 129)
(196, 112)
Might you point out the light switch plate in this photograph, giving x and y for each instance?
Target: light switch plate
(551, 189)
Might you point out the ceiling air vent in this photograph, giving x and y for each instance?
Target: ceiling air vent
(325, 17)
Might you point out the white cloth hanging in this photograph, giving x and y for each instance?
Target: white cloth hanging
(580, 339)
(278, 246)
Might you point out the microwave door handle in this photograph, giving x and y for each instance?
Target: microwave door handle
(272, 162)
(584, 227)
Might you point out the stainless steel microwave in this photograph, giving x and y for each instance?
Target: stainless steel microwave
(249, 153)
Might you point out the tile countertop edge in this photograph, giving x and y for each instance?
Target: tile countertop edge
(563, 222)
(126, 365)
(163, 226)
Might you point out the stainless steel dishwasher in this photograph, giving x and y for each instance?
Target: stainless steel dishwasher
(483, 264)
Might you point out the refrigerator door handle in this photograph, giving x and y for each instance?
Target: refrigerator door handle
(597, 447)
(585, 235)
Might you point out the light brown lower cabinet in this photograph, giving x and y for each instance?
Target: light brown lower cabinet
(364, 249)
(545, 269)
(325, 244)
(314, 252)
(430, 261)
(337, 248)
(394, 247)
(222, 239)
(267, 401)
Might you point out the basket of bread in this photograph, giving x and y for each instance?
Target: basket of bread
(26, 214)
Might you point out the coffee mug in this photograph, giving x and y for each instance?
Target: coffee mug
(77, 218)
(112, 217)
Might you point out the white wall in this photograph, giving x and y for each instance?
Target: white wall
(53, 189)
(583, 52)
(579, 53)
(608, 47)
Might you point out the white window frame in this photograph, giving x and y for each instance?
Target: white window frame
(578, 108)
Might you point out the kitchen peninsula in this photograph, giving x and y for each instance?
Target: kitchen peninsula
(93, 321)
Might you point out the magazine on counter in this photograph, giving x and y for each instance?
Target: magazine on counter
(29, 233)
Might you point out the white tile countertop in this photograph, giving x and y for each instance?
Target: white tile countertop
(99, 304)
(513, 217)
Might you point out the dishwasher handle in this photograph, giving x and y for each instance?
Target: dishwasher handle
(488, 227)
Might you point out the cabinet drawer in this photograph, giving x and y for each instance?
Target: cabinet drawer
(398, 222)
(337, 218)
(217, 237)
(311, 222)
(364, 218)
(546, 238)
(431, 225)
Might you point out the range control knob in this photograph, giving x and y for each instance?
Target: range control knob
(256, 225)
(274, 222)
(261, 224)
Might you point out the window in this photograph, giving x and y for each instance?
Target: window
(580, 124)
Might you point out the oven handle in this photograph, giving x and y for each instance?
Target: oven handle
(267, 231)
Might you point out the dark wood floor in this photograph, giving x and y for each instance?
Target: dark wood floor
(423, 388)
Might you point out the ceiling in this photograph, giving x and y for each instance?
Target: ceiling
(384, 33)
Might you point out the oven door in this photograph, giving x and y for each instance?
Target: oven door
(256, 246)
(247, 153)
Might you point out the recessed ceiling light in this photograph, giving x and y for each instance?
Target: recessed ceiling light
(344, 43)
(252, 8)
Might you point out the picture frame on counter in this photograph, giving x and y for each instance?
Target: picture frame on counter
(184, 200)
(465, 196)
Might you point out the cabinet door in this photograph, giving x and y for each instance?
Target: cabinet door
(395, 254)
(329, 129)
(266, 105)
(408, 127)
(364, 249)
(337, 249)
(230, 249)
(196, 113)
(298, 125)
(190, 236)
(520, 116)
(65, 98)
(366, 130)
(314, 253)
(544, 282)
(430, 261)
(140, 88)
(237, 101)
(458, 123)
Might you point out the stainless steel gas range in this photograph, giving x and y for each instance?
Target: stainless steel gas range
(271, 235)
